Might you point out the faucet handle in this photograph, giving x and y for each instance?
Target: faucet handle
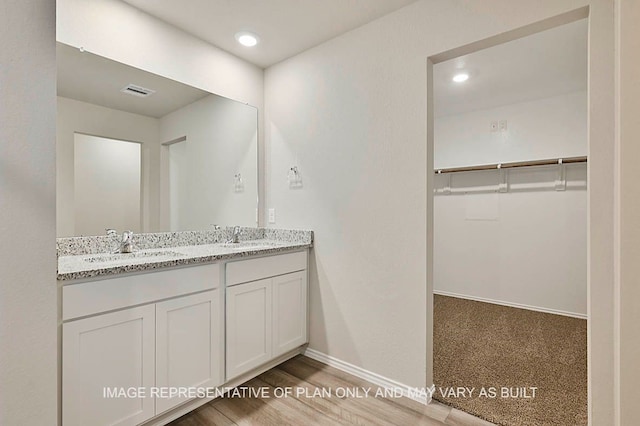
(127, 236)
(112, 234)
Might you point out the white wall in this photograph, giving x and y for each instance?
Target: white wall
(536, 130)
(527, 247)
(75, 116)
(221, 142)
(352, 113)
(628, 105)
(28, 293)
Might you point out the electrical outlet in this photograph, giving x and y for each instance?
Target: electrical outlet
(502, 125)
(493, 126)
(272, 215)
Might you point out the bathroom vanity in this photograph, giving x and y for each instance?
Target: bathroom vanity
(146, 335)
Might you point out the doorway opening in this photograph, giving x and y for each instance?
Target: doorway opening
(107, 176)
(510, 227)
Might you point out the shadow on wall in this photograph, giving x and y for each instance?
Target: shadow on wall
(320, 302)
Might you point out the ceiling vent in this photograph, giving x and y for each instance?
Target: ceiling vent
(134, 90)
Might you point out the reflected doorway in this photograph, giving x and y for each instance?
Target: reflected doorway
(107, 184)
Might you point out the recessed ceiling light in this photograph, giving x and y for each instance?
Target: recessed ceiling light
(247, 39)
(459, 78)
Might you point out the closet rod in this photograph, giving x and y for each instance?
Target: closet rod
(550, 162)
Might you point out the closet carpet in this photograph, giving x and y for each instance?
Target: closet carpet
(483, 345)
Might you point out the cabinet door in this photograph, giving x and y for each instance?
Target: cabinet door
(289, 312)
(248, 326)
(105, 353)
(188, 344)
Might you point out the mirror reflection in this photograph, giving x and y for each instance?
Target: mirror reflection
(138, 151)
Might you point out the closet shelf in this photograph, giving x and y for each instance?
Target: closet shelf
(500, 166)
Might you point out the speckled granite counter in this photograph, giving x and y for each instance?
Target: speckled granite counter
(86, 257)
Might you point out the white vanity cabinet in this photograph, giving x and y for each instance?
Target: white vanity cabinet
(172, 340)
(129, 340)
(114, 350)
(266, 301)
(289, 312)
(188, 345)
(248, 326)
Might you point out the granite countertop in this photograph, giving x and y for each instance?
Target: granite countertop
(82, 262)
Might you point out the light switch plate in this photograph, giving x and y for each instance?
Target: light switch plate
(272, 215)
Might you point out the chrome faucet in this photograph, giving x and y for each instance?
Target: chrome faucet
(126, 244)
(235, 237)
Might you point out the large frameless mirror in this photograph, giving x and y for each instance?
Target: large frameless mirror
(139, 151)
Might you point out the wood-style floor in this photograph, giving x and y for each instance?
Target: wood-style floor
(312, 408)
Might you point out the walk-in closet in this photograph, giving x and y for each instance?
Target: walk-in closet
(510, 229)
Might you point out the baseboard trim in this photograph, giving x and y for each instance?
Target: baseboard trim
(419, 395)
(179, 411)
(511, 305)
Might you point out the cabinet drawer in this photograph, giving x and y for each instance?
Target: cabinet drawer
(255, 269)
(115, 293)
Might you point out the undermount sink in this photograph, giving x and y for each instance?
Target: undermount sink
(135, 255)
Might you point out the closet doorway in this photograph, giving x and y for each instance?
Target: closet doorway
(510, 229)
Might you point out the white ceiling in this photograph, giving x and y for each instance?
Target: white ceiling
(546, 64)
(90, 78)
(285, 27)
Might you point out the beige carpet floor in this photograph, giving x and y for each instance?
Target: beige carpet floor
(482, 345)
